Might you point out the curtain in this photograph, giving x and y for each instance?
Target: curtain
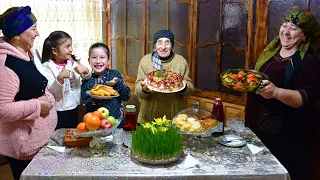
(81, 19)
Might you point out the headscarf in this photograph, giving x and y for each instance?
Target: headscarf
(309, 25)
(17, 22)
(306, 22)
(156, 59)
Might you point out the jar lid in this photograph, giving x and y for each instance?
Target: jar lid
(130, 106)
(218, 99)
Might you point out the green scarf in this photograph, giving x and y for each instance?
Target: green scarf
(307, 23)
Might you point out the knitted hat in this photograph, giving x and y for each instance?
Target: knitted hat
(163, 34)
(17, 22)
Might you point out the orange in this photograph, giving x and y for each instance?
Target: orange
(97, 113)
(82, 127)
(86, 116)
(93, 122)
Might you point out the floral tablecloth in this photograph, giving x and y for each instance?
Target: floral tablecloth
(216, 162)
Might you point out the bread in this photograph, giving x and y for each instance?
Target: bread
(103, 90)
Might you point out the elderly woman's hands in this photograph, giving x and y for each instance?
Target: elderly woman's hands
(45, 106)
(145, 87)
(269, 91)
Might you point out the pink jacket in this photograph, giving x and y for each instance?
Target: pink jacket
(22, 131)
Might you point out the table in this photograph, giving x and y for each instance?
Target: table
(216, 162)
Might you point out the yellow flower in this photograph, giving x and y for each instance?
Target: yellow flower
(165, 121)
(158, 121)
(153, 129)
(163, 129)
(146, 125)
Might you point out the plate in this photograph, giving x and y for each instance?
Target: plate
(100, 132)
(162, 91)
(249, 81)
(100, 97)
(157, 162)
(208, 131)
(232, 140)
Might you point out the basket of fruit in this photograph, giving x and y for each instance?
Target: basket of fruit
(243, 80)
(195, 121)
(97, 123)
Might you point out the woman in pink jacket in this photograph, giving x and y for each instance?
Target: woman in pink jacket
(27, 114)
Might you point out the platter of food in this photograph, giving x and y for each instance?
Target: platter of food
(100, 91)
(165, 81)
(243, 80)
(195, 125)
(195, 121)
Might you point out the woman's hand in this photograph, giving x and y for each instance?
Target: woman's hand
(63, 74)
(112, 82)
(269, 91)
(145, 87)
(81, 69)
(45, 106)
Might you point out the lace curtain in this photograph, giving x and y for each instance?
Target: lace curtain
(81, 19)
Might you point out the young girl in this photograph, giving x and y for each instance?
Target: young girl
(99, 61)
(63, 72)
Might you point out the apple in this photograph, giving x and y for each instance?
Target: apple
(86, 116)
(112, 120)
(105, 124)
(105, 112)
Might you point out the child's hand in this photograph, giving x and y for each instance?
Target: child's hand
(80, 69)
(113, 81)
(63, 74)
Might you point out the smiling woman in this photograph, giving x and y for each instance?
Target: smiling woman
(22, 133)
(285, 108)
(156, 104)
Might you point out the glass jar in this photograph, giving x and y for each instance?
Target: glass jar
(130, 118)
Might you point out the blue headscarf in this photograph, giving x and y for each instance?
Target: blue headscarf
(17, 22)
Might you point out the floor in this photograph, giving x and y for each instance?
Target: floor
(5, 172)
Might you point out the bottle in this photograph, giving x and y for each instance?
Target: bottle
(130, 118)
(218, 114)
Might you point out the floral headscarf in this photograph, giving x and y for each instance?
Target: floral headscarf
(307, 23)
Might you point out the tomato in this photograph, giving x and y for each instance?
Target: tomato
(240, 76)
(252, 79)
(250, 76)
(239, 86)
(234, 76)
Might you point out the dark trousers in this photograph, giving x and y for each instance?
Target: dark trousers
(17, 166)
(293, 153)
(67, 119)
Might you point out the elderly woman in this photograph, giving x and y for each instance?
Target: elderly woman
(287, 117)
(27, 113)
(155, 104)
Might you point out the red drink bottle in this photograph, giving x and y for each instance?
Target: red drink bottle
(218, 114)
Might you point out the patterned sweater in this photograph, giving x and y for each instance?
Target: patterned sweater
(154, 104)
(114, 105)
(23, 132)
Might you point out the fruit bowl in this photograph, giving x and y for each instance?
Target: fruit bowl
(195, 121)
(99, 132)
(243, 80)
